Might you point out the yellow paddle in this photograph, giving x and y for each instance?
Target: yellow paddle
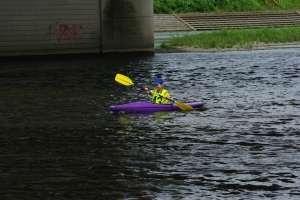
(128, 82)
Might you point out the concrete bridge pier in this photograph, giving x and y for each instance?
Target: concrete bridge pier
(126, 26)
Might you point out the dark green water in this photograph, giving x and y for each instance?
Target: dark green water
(59, 140)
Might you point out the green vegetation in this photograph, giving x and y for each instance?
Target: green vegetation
(240, 38)
(194, 6)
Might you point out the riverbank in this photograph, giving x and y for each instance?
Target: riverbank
(256, 47)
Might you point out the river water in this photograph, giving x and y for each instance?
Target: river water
(59, 140)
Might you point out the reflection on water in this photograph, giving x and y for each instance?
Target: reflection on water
(60, 140)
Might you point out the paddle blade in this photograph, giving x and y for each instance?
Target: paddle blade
(184, 106)
(124, 80)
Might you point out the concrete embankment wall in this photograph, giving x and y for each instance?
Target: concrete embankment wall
(43, 27)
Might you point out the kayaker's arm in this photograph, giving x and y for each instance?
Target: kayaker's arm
(169, 98)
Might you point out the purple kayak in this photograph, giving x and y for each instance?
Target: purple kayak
(149, 107)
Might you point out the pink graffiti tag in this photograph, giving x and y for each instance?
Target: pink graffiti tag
(65, 32)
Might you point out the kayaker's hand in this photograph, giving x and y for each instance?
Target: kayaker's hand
(147, 91)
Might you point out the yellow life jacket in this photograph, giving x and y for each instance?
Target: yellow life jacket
(156, 98)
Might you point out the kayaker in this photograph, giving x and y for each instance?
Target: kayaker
(159, 94)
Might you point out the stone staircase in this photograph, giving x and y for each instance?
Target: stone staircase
(231, 20)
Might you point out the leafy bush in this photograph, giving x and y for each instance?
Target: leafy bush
(193, 6)
(183, 6)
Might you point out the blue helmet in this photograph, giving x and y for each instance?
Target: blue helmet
(157, 81)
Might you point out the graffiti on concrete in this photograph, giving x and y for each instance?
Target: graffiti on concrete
(60, 32)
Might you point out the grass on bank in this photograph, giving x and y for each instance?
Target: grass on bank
(239, 38)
